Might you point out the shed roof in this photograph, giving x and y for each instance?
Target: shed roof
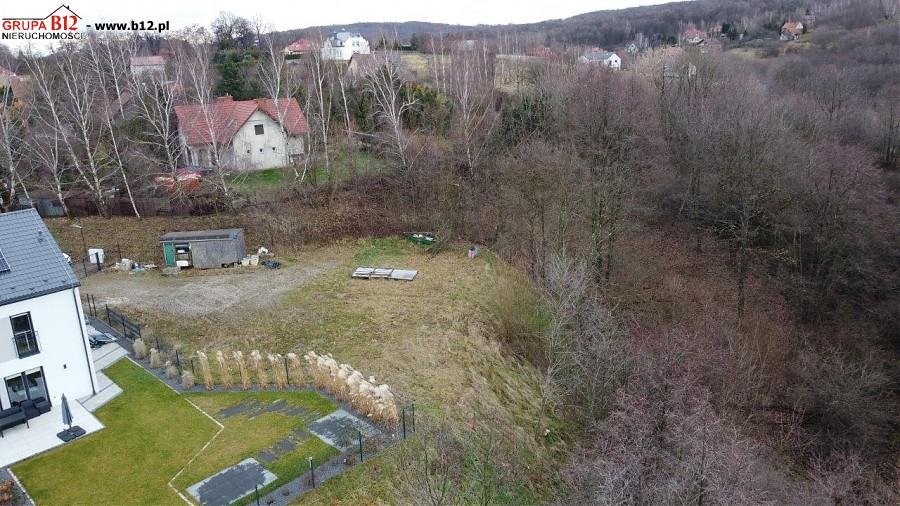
(202, 235)
(36, 265)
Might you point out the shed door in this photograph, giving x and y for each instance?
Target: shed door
(169, 254)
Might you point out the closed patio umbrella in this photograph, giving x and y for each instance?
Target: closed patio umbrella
(66, 412)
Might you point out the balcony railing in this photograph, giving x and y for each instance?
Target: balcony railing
(26, 343)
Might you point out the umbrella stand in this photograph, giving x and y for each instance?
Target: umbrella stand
(71, 432)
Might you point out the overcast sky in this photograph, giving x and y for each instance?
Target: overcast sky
(285, 14)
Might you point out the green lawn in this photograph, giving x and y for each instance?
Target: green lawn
(343, 166)
(150, 433)
(245, 436)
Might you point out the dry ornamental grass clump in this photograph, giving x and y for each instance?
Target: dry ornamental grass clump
(256, 361)
(242, 369)
(295, 366)
(140, 349)
(365, 395)
(205, 370)
(224, 371)
(187, 380)
(279, 371)
(171, 370)
(154, 358)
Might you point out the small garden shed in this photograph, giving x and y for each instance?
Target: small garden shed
(204, 249)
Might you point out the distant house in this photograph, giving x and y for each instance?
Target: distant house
(363, 65)
(791, 30)
(693, 36)
(541, 52)
(141, 65)
(247, 133)
(342, 46)
(44, 348)
(466, 45)
(599, 56)
(299, 47)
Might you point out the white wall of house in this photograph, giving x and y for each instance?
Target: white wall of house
(64, 355)
(250, 150)
(613, 62)
(353, 45)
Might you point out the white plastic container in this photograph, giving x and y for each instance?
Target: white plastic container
(95, 254)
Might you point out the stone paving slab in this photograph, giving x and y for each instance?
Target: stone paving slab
(231, 484)
(341, 429)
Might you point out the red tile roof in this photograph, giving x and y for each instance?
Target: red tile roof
(300, 45)
(792, 27)
(228, 116)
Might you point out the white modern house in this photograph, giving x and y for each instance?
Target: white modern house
(601, 57)
(44, 346)
(343, 45)
(242, 135)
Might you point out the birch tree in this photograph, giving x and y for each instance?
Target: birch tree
(12, 145)
(69, 101)
(194, 56)
(107, 61)
(391, 102)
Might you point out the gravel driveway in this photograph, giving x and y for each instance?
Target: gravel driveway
(203, 293)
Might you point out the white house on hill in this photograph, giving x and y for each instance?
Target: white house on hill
(343, 45)
(246, 133)
(599, 56)
(44, 348)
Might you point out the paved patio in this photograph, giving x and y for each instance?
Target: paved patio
(21, 442)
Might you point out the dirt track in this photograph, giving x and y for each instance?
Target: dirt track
(201, 294)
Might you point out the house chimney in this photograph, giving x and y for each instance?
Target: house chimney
(225, 98)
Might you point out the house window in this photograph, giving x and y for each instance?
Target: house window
(273, 148)
(258, 129)
(24, 335)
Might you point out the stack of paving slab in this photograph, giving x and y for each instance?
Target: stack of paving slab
(384, 273)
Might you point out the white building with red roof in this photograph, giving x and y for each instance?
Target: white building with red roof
(246, 134)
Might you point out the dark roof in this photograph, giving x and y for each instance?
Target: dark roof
(36, 264)
(202, 235)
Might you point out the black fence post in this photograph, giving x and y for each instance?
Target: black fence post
(107, 315)
(177, 360)
(192, 368)
(119, 248)
(157, 342)
(359, 435)
(97, 260)
(140, 336)
(404, 423)
(287, 372)
(84, 266)
(312, 473)
(256, 491)
(413, 417)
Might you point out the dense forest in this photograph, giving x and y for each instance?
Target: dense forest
(771, 374)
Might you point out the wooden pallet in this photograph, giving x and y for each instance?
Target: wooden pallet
(384, 273)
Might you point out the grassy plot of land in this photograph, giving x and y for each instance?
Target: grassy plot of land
(248, 434)
(344, 164)
(437, 341)
(150, 433)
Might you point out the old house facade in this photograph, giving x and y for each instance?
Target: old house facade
(242, 135)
